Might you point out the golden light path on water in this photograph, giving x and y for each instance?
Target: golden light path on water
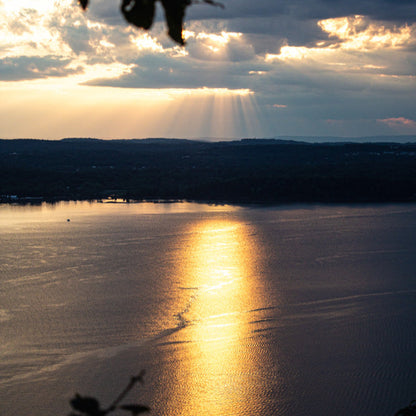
(215, 371)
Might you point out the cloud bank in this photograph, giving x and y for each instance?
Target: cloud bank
(307, 67)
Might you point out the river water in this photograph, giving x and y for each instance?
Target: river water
(294, 310)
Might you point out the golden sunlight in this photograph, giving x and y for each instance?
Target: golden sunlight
(56, 101)
(215, 46)
(143, 41)
(42, 6)
(218, 263)
(218, 269)
(218, 112)
(27, 28)
(216, 42)
(357, 34)
(106, 112)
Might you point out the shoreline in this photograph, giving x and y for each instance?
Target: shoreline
(255, 203)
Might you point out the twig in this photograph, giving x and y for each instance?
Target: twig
(129, 386)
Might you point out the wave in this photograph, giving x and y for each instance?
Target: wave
(103, 353)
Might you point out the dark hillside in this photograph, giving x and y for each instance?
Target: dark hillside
(267, 171)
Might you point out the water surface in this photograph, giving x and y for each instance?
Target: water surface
(231, 310)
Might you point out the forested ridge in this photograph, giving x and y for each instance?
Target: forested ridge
(242, 171)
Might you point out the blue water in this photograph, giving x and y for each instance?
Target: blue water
(231, 310)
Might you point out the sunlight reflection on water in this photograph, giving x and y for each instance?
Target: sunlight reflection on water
(218, 263)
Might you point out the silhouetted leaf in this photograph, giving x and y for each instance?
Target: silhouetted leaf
(83, 3)
(135, 409)
(139, 12)
(175, 13)
(87, 405)
(407, 411)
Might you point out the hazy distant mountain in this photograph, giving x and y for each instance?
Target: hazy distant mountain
(365, 139)
(282, 139)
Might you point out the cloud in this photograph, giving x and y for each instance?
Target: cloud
(353, 63)
(399, 123)
(25, 67)
(214, 60)
(27, 32)
(223, 46)
(359, 33)
(22, 22)
(356, 63)
(393, 10)
(360, 55)
(293, 21)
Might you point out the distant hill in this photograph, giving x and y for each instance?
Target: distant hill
(248, 170)
(365, 139)
(281, 139)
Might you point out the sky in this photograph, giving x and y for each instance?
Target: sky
(264, 68)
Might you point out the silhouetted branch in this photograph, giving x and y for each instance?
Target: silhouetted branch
(132, 382)
(90, 406)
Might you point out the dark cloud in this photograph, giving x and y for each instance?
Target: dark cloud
(402, 10)
(272, 23)
(107, 11)
(161, 71)
(25, 67)
(269, 34)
